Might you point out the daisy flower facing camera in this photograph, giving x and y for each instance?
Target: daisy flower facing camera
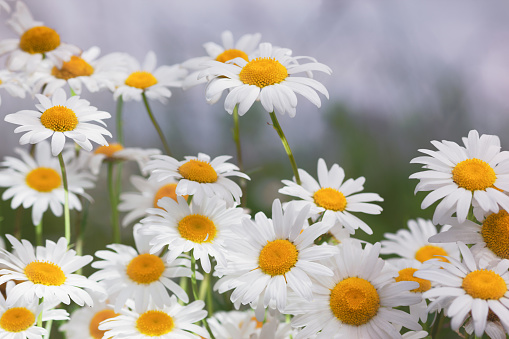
(59, 118)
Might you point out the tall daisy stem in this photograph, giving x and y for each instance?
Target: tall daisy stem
(113, 204)
(437, 326)
(236, 138)
(120, 128)
(279, 131)
(49, 323)
(195, 292)
(39, 317)
(156, 125)
(67, 215)
(38, 234)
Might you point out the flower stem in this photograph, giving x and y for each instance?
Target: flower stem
(49, 323)
(437, 326)
(113, 204)
(279, 131)
(67, 216)
(236, 138)
(120, 128)
(195, 292)
(38, 234)
(156, 125)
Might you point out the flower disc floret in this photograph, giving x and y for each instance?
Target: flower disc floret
(278, 257)
(231, 54)
(197, 228)
(59, 119)
(474, 174)
(166, 191)
(109, 150)
(407, 274)
(100, 316)
(45, 273)
(330, 199)
(199, 171)
(484, 284)
(430, 252)
(262, 72)
(495, 232)
(145, 268)
(43, 179)
(154, 323)
(17, 319)
(141, 80)
(39, 39)
(73, 68)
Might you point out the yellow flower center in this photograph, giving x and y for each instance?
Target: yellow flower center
(407, 274)
(199, 171)
(76, 67)
(495, 232)
(154, 323)
(145, 268)
(197, 228)
(484, 284)
(278, 257)
(330, 199)
(43, 179)
(141, 80)
(109, 150)
(45, 273)
(39, 39)
(473, 174)
(263, 72)
(59, 118)
(231, 54)
(95, 332)
(354, 301)
(428, 252)
(166, 191)
(17, 319)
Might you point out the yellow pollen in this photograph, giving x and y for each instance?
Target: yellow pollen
(199, 171)
(166, 191)
(109, 150)
(330, 199)
(495, 232)
(145, 268)
(39, 39)
(43, 179)
(231, 54)
(154, 323)
(59, 119)
(141, 80)
(278, 257)
(76, 67)
(428, 252)
(197, 228)
(45, 273)
(484, 284)
(473, 174)
(95, 332)
(17, 319)
(407, 274)
(263, 72)
(354, 301)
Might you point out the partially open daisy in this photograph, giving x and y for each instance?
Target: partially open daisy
(116, 152)
(358, 301)
(136, 274)
(199, 176)
(471, 289)
(37, 182)
(333, 196)
(168, 322)
(201, 227)
(148, 79)
(476, 174)
(35, 43)
(46, 273)
(268, 77)
(13, 84)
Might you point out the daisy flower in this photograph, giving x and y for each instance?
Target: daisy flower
(5, 6)
(494, 328)
(268, 77)
(117, 152)
(201, 227)
(148, 79)
(267, 258)
(13, 84)
(136, 274)
(470, 289)
(461, 176)
(59, 118)
(46, 273)
(169, 322)
(358, 301)
(199, 176)
(35, 43)
(37, 182)
(333, 197)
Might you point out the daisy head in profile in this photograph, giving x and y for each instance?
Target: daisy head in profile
(13, 83)
(116, 152)
(61, 118)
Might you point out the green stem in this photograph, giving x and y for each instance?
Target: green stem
(195, 292)
(120, 128)
(39, 317)
(38, 234)
(189, 199)
(18, 223)
(279, 131)
(113, 204)
(79, 228)
(183, 284)
(437, 326)
(156, 125)
(236, 138)
(67, 216)
(49, 323)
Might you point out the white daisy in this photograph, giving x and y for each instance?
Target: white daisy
(494, 328)
(148, 79)
(46, 272)
(464, 176)
(13, 84)
(470, 289)
(199, 176)
(333, 196)
(37, 182)
(267, 258)
(201, 227)
(59, 118)
(268, 77)
(358, 301)
(36, 42)
(116, 152)
(170, 322)
(139, 275)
